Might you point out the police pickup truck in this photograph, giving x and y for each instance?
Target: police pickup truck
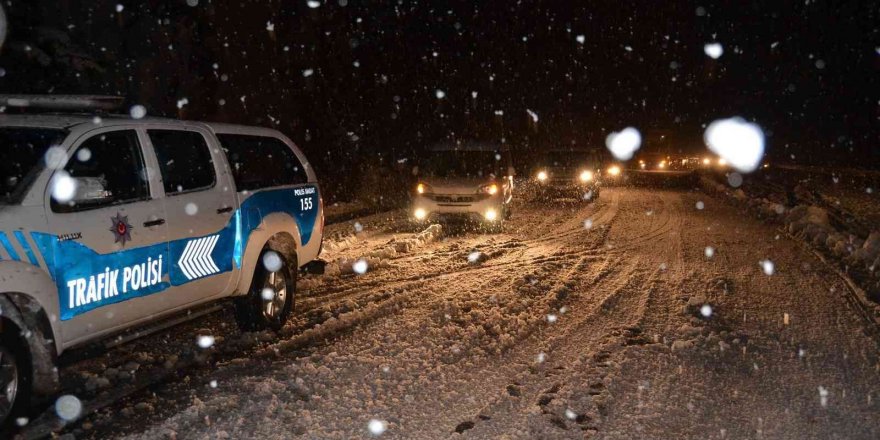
(107, 224)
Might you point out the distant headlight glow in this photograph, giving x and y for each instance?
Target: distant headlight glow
(614, 170)
(420, 214)
(542, 176)
(586, 176)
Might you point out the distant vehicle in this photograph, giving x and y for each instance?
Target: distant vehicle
(111, 223)
(569, 173)
(465, 180)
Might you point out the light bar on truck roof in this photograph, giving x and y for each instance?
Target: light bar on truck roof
(62, 102)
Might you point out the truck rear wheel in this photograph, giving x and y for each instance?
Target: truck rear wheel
(14, 379)
(270, 300)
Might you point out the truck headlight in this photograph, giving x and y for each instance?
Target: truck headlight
(586, 176)
(542, 176)
(491, 189)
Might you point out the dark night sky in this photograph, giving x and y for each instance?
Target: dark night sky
(807, 72)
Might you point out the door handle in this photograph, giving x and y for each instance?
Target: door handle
(151, 223)
(224, 210)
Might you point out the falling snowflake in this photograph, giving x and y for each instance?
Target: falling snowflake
(272, 261)
(308, 72)
(377, 427)
(205, 341)
(360, 267)
(768, 267)
(213, 384)
(191, 209)
(570, 415)
(119, 8)
(581, 39)
(533, 115)
(270, 26)
(137, 111)
(55, 157)
(700, 205)
(541, 357)
(551, 318)
(623, 144)
(63, 187)
(739, 142)
(588, 223)
(358, 227)
(823, 396)
(706, 310)
(713, 50)
(474, 257)
(182, 102)
(68, 407)
(735, 179)
(267, 294)
(316, 4)
(440, 94)
(710, 252)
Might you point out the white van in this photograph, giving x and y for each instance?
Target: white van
(469, 180)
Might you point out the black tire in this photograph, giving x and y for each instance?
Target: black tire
(13, 354)
(253, 312)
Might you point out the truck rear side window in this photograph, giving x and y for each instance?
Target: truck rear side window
(184, 160)
(261, 162)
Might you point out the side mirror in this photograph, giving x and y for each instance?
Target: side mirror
(90, 190)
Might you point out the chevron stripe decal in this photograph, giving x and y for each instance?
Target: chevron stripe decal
(196, 261)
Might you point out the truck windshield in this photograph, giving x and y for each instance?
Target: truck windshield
(21, 157)
(460, 163)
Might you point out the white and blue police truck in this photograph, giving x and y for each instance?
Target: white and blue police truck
(109, 224)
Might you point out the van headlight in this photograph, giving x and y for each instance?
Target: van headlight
(491, 214)
(586, 176)
(421, 188)
(542, 176)
(490, 189)
(614, 170)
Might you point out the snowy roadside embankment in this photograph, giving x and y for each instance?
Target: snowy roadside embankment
(379, 257)
(814, 225)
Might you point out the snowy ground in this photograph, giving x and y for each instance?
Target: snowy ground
(644, 315)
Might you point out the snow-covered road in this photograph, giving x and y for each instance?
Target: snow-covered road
(638, 316)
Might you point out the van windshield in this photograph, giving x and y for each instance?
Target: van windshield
(570, 159)
(460, 163)
(21, 153)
